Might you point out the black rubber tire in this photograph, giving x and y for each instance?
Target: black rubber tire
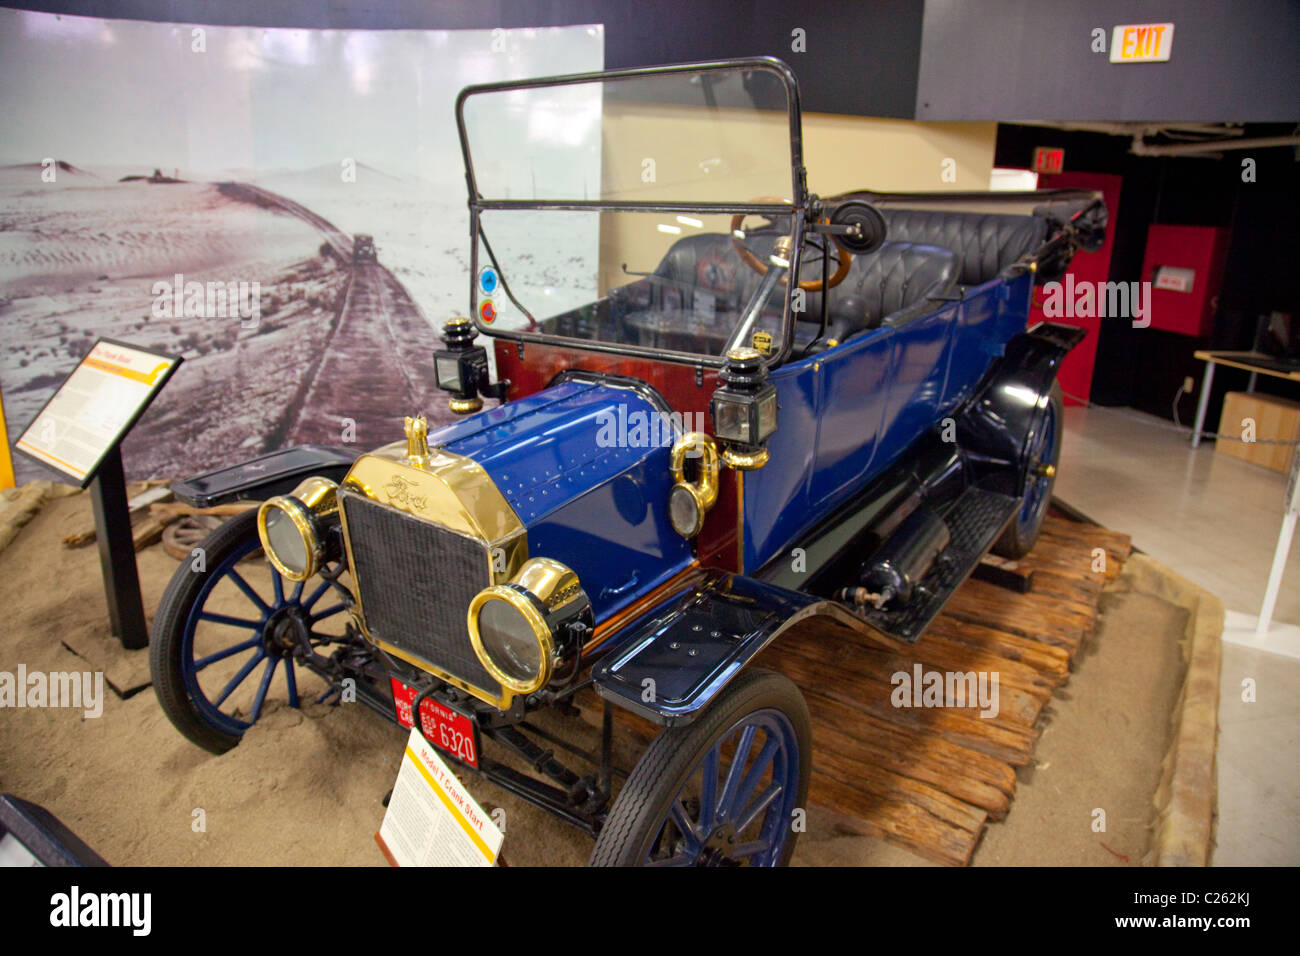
(1018, 541)
(168, 630)
(639, 811)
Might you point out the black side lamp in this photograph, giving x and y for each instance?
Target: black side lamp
(744, 410)
(462, 369)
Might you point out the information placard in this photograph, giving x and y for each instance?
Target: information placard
(432, 820)
(95, 407)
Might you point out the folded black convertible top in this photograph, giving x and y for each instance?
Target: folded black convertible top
(1059, 205)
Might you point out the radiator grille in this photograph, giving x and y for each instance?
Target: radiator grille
(415, 581)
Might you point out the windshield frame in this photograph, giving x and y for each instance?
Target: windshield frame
(797, 208)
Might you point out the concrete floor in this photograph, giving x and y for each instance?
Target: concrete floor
(1214, 520)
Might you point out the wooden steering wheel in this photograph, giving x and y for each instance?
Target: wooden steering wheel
(751, 260)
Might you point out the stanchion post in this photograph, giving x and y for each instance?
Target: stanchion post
(117, 552)
(1283, 549)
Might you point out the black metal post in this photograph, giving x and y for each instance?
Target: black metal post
(117, 552)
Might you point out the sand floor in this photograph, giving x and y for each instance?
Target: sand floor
(305, 787)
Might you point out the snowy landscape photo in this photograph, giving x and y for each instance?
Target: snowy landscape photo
(284, 208)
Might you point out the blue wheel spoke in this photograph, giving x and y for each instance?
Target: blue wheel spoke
(248, 590)
(709, 793)
(761, 763)
(764, 801)
(297, 591)
(292, 682)
(228, 652)
(278, 584)
(685, 824)
(315, 595)
(681, 859)
(743, 850)
(262, 688)
(328, 612)
(231, 621)
(726, 804)
(239, 677)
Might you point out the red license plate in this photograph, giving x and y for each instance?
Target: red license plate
(443, 727)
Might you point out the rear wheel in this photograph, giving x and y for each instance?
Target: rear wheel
(1040, 477)
(230, 635)
(721, 791)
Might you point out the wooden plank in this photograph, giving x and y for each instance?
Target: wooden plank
(901, 823)
(837, 729)
(1042, 617)
(1052, 662)
(998, 738)
(1020, 699)
(1079, 539)
(954, 656)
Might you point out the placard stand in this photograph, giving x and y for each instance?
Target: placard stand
(79, 433)
(117, 552)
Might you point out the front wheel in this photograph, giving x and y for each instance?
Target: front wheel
(722, 791)
(1040, 476)
(229, 635)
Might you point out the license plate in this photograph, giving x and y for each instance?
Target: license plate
(446, 729)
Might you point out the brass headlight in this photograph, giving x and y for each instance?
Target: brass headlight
(292, 527)
(689, 502)
(744, 410)
(520, 630)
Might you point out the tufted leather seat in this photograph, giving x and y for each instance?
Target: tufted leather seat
(709, 262)
(881, 286)
(985, 243)
(885, 286)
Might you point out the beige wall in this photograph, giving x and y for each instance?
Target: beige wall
(853, 152)
(841, 153)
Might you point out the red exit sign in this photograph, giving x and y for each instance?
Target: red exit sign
(1142, 43)
(1049, 159)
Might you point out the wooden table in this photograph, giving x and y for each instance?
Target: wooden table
(1249, 361)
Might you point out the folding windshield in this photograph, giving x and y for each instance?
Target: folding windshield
(617, 209)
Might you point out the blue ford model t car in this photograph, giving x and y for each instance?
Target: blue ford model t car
(723, 407)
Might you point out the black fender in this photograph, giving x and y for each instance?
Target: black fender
(997, 425)
(672, 661)
(260, 478)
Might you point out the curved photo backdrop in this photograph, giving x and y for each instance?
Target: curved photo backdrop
(285, 208)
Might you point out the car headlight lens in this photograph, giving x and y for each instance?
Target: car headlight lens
(731, 421)
(289, 544)
(291, 527)
(684, 510)
(513, 640)
(448, 371)
(520, 630)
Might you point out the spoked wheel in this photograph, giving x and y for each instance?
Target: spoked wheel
(1036, 496)
(229, 636)
(721, 791)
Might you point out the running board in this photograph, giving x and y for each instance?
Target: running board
(975, 522)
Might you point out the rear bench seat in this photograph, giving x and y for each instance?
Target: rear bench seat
(985, 243)
(885, 286)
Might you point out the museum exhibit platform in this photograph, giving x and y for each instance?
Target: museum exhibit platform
(890, 784)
